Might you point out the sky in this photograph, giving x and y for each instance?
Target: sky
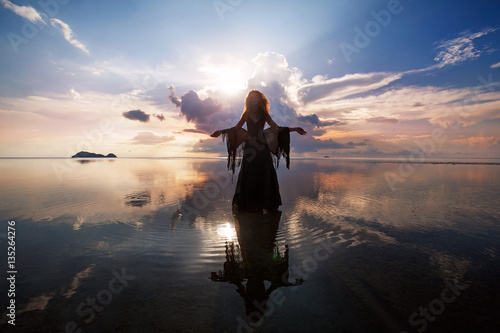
(365, 78)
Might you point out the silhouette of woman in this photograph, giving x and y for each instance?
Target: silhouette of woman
(257, 188)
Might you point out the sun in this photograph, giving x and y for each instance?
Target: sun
(231, 81)
(229, 78)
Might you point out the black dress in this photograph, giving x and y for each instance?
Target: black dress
(257, 187)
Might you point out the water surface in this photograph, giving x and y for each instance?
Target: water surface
(152, 245)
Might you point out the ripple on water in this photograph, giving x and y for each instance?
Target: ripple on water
(184, 246)
(298, 233)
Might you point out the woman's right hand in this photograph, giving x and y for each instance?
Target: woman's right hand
(300, 130)
(216, 134)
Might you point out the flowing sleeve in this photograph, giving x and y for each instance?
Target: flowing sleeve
(234, 140)
(283, 146)
(279, 144)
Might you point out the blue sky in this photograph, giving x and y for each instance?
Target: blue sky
(364, 78)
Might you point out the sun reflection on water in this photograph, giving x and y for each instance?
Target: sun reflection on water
(226, 232)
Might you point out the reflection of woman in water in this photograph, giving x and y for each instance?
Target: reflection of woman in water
(257, 187)
(258, 259)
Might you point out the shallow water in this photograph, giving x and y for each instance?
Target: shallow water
(152, 245)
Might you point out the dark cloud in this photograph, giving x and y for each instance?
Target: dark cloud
(160, 117)
(137, 115)
(148, 138)
(206, 114)
(313, 119)
(197, 110)
(142, 116)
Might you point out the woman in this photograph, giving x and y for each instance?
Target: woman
(257, 187)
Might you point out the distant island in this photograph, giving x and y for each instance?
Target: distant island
(86, 154)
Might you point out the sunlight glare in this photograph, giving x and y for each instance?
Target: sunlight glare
(231, 81)
(226, 232)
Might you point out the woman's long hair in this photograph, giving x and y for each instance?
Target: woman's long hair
(263, 101)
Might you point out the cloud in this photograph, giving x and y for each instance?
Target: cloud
(142, 116)
(272, 76)
(148, 138)
(439, 106)
(373, 151)
(358, 104)
(472, 108)
(311, 144)
(272, 66)
(460, 49)
(347, 85)
(74, 94)
(26, 12)
(160, 117)
(206, 114)
(276, 79)
(280, 83)
(382, 120)
(196, 109)
(68, 34)
(483, 141)
(479, 141)
(357, 144)
(192, 130)
(314, 119)
(208, 146)
(139, 115)
(173, 97)
(495, 65)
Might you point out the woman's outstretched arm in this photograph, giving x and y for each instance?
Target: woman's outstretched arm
(275, 127)
(237, 127)
(216, 133)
